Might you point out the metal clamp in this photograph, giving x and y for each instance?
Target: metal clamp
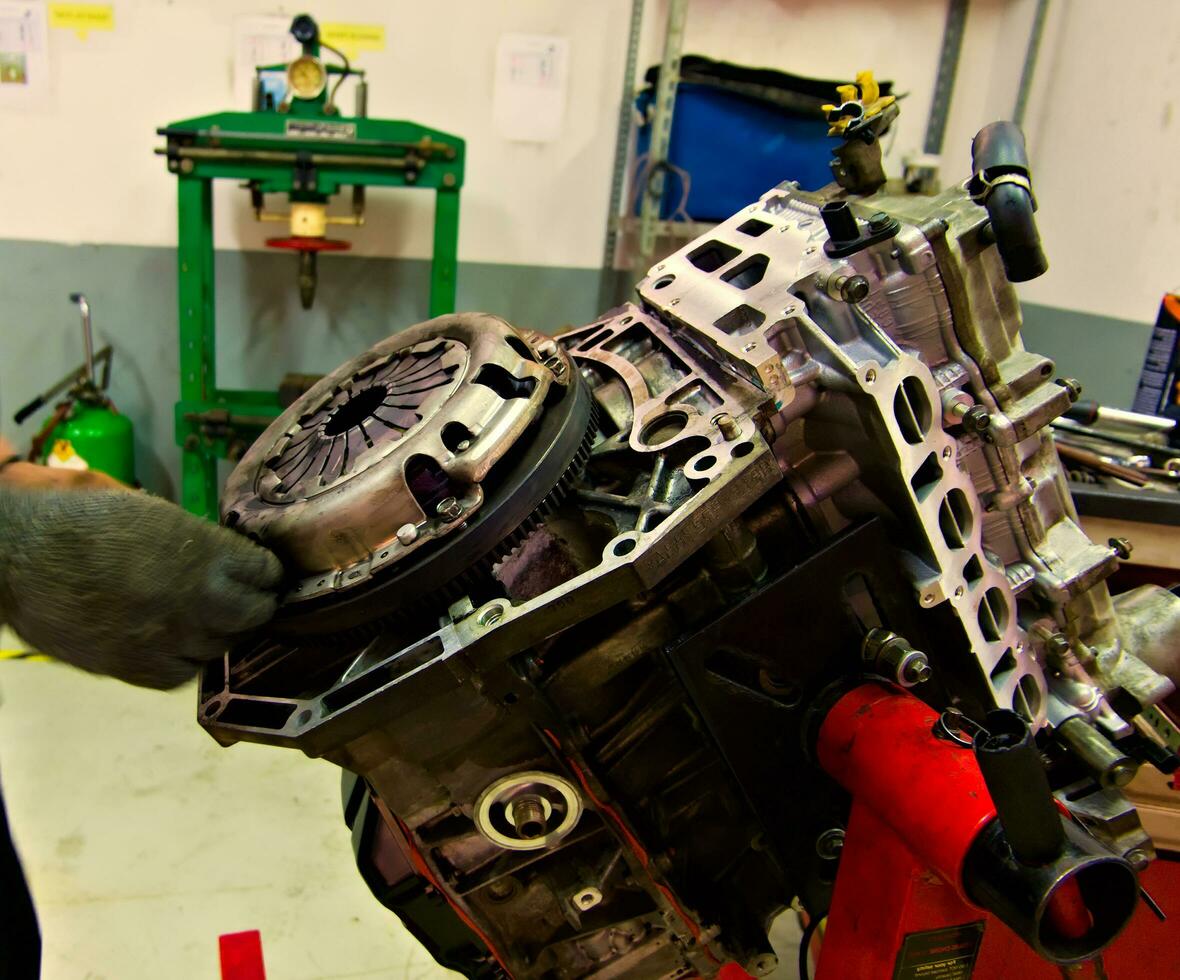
(954, 726)
(980, 186)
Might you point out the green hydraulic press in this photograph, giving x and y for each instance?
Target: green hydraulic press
(297, 143)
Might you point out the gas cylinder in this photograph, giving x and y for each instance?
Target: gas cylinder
(94, 437)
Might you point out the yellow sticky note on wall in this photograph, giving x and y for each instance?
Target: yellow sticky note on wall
(82, 18)
(354, 38)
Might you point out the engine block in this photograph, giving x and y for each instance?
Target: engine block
(562, 607)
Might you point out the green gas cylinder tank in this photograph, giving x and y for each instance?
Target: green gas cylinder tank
(99, 436)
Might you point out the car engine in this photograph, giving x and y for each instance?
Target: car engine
(568, 609)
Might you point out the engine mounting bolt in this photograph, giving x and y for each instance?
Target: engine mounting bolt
(854, 289)
(977, 419)
(1057, 645)
(556, 365)
(915, 669)
(502, 889)
(891, 656)
(463, 446)
(879, 221)
(1121, 547)
(830, 843)
(448, 508)
(729, 426)
(407, 534)
(1072, 386)
(1137, 858)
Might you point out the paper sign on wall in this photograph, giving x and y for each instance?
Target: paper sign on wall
(82, 18)
(24, 53)
(532, 73)
(260, 40)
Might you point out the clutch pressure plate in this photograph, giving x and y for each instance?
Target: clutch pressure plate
(423, 457)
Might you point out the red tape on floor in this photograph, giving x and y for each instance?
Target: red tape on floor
(241, 956)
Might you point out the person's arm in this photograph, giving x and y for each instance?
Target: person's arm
(15, 471)
(120, 583)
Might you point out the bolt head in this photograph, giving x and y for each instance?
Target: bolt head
(1057, 645)
(1121, 547)
(921, 673)
(854, 289)
(879, 221)
(1072, 386)
(914, 669)
(448, 508)
(830, 843)
(1121, 773)
(977, 419)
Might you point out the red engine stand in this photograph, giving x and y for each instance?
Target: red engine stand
(919, 802)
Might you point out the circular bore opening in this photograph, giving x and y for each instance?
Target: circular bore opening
(663, 281)
(911, 409)
(1110, 892)
(955, 519)
(357, 410)
(741, 450)
(662, 428)
(993, 614)
(587, 898)
(624, 547)
(705, 462)
(491, 616)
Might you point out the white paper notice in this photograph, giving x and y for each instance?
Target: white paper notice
(532, 73)
(260, 40)
(24, 53)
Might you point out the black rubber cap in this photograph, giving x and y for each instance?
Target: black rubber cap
(840, 221)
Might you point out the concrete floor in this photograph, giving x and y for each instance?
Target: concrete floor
(144, 840)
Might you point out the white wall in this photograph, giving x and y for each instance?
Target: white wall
(1101, 125)
(1106, 149)
(83, 169)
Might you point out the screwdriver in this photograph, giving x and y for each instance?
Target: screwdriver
(1089, 412)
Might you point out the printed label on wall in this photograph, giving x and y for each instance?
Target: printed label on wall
(354, 38)
(82, 18)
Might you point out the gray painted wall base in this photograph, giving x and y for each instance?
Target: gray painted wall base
(263, 332)
(1102, 352)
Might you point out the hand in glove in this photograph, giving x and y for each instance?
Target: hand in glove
(128, 585)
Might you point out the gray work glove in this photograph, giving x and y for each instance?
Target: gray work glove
(124, 584)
